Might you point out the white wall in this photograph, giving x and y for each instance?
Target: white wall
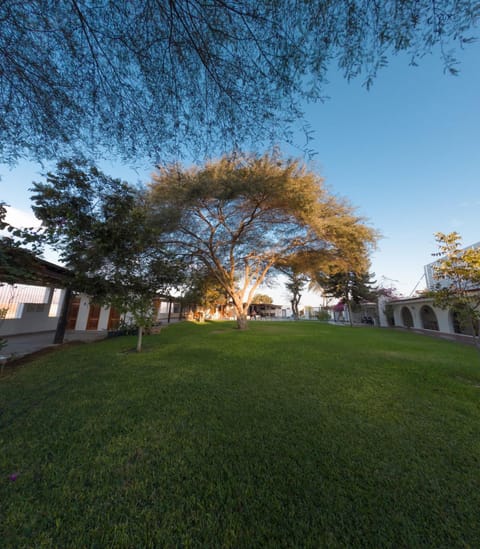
(82, 317)
(31, 322)
(444, 317)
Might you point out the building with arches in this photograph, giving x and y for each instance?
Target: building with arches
(422, 315)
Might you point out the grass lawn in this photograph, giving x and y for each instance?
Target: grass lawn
(286, 435)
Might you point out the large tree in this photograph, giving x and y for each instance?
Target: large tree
(155, 77)
(100, 227)
(242, 215)
(202, 291)
(458, 279)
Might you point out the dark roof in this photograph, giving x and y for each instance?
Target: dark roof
(21, 266)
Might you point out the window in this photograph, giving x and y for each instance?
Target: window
(34, 307)
(55, 305)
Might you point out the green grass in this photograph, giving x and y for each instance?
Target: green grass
(286, 435)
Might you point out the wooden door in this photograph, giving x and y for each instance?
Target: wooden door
(93, 316)
(73, 313)
(113, 319)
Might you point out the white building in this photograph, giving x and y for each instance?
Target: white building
(421, 314)
(29, 309)
(429, 269)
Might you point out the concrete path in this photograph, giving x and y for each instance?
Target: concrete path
(25, 344)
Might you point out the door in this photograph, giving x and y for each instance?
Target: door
(73, 313)
(113, 319)
(93, 316)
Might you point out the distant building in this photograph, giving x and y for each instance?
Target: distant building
(432, 282)
(28, 309)
(32, 301)
(265, 310)
(33, 309)
(420, 314)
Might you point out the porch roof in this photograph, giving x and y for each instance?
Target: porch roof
(20, 266)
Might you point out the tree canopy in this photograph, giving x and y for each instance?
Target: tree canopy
(241, 216)
(151, 79)
(100, 227)
(458, 278)
(352, 287)
(262, 299)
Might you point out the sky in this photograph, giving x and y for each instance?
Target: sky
(405, 153)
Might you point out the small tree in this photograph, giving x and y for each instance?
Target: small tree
(351, 287)
(296, 283)
(458, 276)
(262, 298)
(102, 230)
(242, 215)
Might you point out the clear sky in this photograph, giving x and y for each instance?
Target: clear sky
(406, 153)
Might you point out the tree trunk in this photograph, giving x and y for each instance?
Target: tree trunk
(139, 339)
(475, 327)
(349, 308)
(62, 321)
(242, 320)
(294, 302)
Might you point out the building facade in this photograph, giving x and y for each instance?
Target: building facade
(421, 314)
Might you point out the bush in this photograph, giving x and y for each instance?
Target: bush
(323, 315)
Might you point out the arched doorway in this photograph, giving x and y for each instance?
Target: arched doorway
(407, 318)
(429, 318)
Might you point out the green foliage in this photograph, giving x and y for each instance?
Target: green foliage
(16, 263)
(262, 298)
(351, 287)
(3, 213)
(296, 282)
(287, 435)
(323, 315)
(102, 230)
(458, 271)
(243, 215)
(203, 290)
(162, 78)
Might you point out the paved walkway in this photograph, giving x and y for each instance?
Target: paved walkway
(25, 344)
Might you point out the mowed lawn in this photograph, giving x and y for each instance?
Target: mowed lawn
(286, 435)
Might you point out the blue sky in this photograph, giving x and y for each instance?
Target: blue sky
(405, 153)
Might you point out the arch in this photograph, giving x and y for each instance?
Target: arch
(407, 318)
(429, 318)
